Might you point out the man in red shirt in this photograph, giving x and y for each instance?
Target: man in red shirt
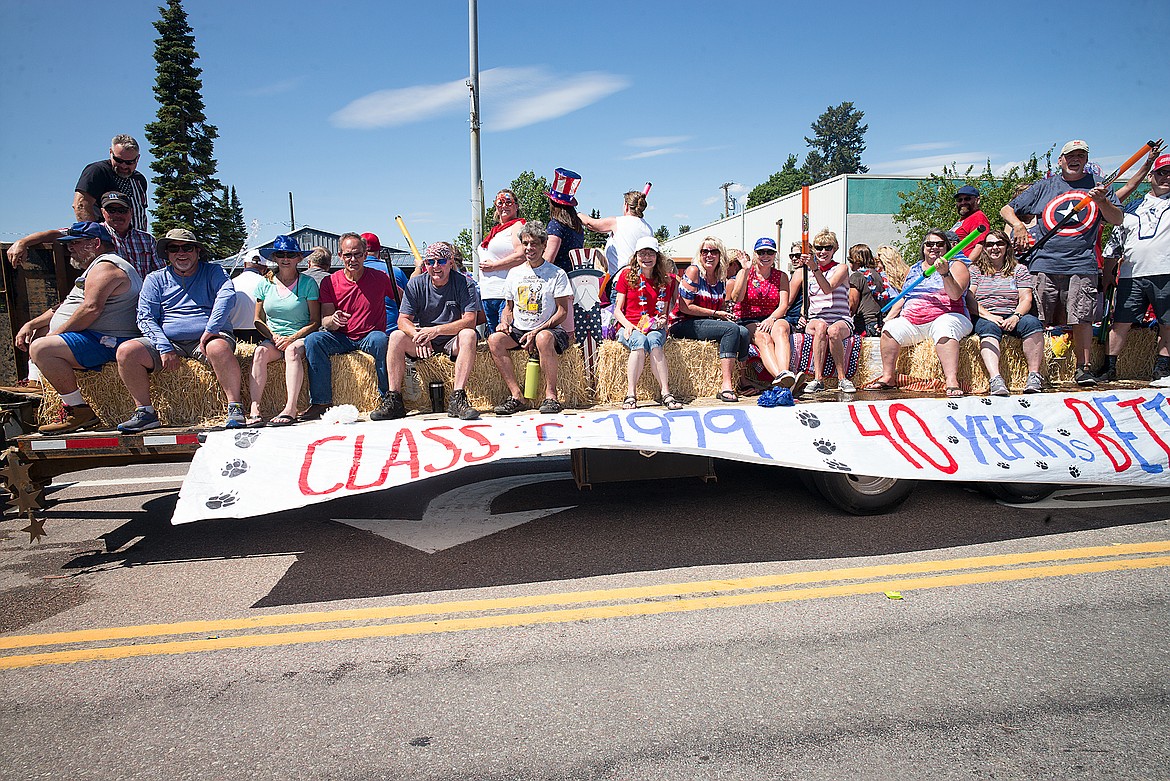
(970, 218)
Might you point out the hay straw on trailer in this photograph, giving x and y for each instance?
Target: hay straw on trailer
(693, 370)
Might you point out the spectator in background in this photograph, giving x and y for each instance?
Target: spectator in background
(499, 253)
(624, 230)
(320, 264)
(970, 218)
(254, 269)
(893, 269)
(565, 231)
(397, 276)
(867, 291)
(119, 172)
(795, 315)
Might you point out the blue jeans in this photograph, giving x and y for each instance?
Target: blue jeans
(1027, 326)
(493, 308)
(732, 337)
(641, 341)
(319, 345)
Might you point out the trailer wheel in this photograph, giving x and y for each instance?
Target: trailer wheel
(810, 485)
(1018, 493)
(862, 494)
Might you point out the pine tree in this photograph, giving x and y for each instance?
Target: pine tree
(837, 143)
(181, 139)
(236, 230)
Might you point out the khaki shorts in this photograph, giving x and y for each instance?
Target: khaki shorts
(1066, 299)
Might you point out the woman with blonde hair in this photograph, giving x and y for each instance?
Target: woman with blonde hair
(287, 304)
(892, 267)
(761, 293)
(701, 314)
(645, 294)
(625, 230)
(829, 322)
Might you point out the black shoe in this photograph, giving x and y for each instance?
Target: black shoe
(460, 407)
(1085, 377)
(1109, 375)
(510, 406)
(314, 412)
(391, 407)
(1161, 370)
(550, 406)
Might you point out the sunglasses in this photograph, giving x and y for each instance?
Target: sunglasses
(352, 255)
(707, 251)
(994, 243)
(766, 252)
(934, 243)
(181, 247)
(793, 255)
(131, 161)
(286, 254)
(116, 209)
(435, 261)
(822, 248)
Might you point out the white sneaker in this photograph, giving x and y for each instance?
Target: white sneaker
(845, 386)
(786, 380)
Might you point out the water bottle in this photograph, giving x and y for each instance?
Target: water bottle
(532, 378)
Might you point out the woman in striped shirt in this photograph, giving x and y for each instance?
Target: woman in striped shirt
(1002, 289)
(830, 322)
(701, 314)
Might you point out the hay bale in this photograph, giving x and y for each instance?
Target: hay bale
(693, 370)
(485, 386)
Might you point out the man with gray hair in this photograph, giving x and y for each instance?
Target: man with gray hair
(120, 173)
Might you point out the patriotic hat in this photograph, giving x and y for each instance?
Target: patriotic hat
(564, 187)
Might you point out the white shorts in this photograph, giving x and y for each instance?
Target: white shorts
(949, 326)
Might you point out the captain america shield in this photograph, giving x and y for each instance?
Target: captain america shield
(1060, 206)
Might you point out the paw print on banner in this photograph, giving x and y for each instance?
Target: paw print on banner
(219, 501)
(1003, 465)
(808, 419)
(1072, 470)
(1064, 432)
(837, 465)
(234, 468)
(952, 405)
(246, 438)
(953, 439)
(1042, 464)
(985, 402)
(1025, 403)
(825, 446)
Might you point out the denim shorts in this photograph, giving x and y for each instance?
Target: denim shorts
(640, 341)
(1028, 325)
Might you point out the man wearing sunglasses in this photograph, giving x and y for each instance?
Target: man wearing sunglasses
(970, 218)
(120, 173)
(439, 310)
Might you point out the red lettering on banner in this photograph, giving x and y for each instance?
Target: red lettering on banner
(950, 467)
(880, 431)
(1133, 404)
(452, 448)
(541, 436)
(351, 484)
(403, 437)
(307, 464)
(471, 433)
(1094, 431)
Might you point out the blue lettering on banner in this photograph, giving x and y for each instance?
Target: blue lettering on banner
(662, 426)
(1009, 438)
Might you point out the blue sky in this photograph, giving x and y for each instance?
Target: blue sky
(359, 108)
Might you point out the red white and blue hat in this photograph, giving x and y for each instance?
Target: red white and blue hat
(765, 243)
(564, 187)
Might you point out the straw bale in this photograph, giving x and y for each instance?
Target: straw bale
(486, 388)
(693, 370)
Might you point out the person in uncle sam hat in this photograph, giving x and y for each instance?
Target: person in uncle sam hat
(565, 230)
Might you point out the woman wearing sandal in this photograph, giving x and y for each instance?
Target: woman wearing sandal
(761, 291)
(700, 312)
(935, 310)
(1002, 292)
(646, 291)
(287, 310)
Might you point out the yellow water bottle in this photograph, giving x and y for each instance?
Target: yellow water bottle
(532, 378)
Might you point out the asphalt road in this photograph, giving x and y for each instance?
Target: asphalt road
(664, 630)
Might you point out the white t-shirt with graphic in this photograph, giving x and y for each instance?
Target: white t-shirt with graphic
(534, 293)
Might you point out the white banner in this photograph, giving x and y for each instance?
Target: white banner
(1115, 437)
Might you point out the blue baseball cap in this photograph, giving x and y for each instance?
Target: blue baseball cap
(765, 243)
(87, 230)
(967, 190)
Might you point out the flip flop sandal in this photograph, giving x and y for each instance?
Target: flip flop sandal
(955, 393)
(728, 396)
(670, 402)
(253, 421)
(282, 420)
(878, 385)
(630, 403)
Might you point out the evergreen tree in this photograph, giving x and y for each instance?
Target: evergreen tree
(181, 139)
(788, 179)
(662, 234)
(237, 229)
(593, 239)
(837, 143)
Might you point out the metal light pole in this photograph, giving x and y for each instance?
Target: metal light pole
(476, 169)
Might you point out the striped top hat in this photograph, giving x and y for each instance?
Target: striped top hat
(564, 187)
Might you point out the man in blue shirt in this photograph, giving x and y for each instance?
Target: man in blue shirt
(184, 311)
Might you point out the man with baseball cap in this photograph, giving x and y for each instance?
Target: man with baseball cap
(1144, 273)
(970, 218)
(1065, 268)
(184, 311)
(397, 276)
(118, 172)
(84, 331)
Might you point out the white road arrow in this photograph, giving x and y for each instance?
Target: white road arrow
(460, 515)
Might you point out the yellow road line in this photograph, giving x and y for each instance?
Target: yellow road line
(577, 597)
(577, 614)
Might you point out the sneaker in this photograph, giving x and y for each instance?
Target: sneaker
(141, 420)
(550, 407)
(235, 416)
(801, 380)
(314, 412)
(786, 380)
(75, 419)
(816, 386)
(1085, 377)
(998, 387)
(845, 386)
(460, 407)
(510, 406)
(1035, 383)
(1109, 375)
(391, 407)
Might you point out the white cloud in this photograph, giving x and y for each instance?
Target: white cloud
(510, 98)
(653, 153)
(737, 189)
(926, 146)
(712, 200)
(276, 88)
(932, 164)
(657, 140)
(681, 216)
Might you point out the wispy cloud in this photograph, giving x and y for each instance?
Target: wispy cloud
(927, 146)
(276, 88)
(932, 164)
(510, 98)
(712, 200)
(656, 140)
(737, 189)
(672, 150)
(680, 216)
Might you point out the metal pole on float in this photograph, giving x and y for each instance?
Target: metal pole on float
(476, 169)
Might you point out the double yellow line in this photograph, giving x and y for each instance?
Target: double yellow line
(607, 603)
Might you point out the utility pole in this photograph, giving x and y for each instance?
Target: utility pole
(726, 199)
(476, 169)
(292, 218)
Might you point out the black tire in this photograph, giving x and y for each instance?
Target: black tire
(1018, 493)
(861, 494)
(810, 485)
